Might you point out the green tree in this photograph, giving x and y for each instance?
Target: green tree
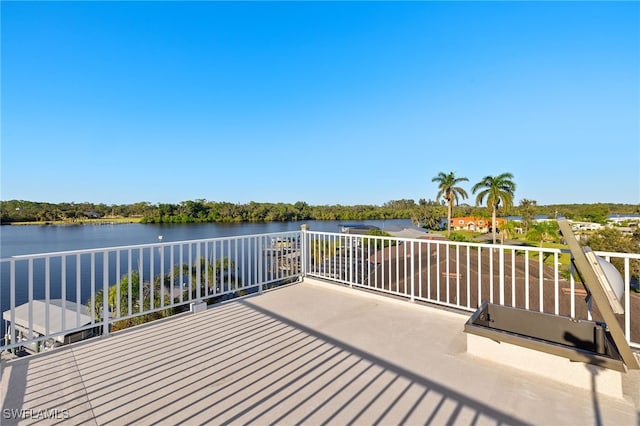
(496, 190)
(121, 300)
(527, 210)
(595, 213)
(544, 231)
(448, 190)
(612, 240)
(222, 277)
(509, 230)
(322, 249)
(428, 216)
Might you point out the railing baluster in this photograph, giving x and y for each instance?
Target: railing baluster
(92, 283)
(47, 292)
(513, 277)
(198, 273)
(627, 303)
(413, 261)
(429, 270)
(225, 270)
(243, 280)
(491, 274)
(78, 291)
(404, 269)
(191, 283)
(217, 279)
(479, 276)
(141, 280)
(457, 274)
(261, 260)
(12, 299)
(556, 284)
(420, 270)
(235, 263)
(389, 273)
(526, 279)
(468, 276)
(117, 312)
(501, 278)
(161, 276)
(572, 284)
(105, 293)
(63, 291)
(541, 277)
(398, 269)
(129, 283)
(438, 271)
(447, 278)
(30, 292)
(152, 261)
(181, 272)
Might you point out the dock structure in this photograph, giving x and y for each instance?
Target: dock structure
(45, 320)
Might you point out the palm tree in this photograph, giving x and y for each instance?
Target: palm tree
(222, 275)
(448, 190)
(496, 190)
(527, 211)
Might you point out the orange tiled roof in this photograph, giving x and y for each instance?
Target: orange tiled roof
(476, 220)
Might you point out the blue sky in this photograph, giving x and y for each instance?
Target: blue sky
(328, 103)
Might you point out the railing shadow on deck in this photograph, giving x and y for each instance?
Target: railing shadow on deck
(251, 366)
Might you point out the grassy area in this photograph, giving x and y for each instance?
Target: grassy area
(101, 221)
(564, 258)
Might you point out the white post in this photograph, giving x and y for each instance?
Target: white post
(305, 254)
(105, 293)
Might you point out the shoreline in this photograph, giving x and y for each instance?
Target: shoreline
(111, 221)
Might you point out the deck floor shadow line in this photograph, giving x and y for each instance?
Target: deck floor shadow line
(385, 365)
(235, 339)
(316, 377)
(239, 379)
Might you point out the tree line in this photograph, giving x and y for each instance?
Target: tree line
(424, 212)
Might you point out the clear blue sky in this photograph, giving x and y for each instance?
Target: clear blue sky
(328, 103)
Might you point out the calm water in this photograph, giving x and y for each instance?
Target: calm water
(21, 240)
(18, 240)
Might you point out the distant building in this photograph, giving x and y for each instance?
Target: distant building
(620, 218)
(475, 224)
(585, 226)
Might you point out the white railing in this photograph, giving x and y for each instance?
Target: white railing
(55, 298)
(463, 275)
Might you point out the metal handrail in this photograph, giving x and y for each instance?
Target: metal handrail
(153, 279)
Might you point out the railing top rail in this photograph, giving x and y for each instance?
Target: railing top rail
(617, 254)
(446, 242)
(147, 245)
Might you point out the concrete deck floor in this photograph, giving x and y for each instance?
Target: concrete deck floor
(310, 353)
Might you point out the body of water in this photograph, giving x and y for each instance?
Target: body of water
(32, 239)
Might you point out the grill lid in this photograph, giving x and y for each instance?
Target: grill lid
(605, 285)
